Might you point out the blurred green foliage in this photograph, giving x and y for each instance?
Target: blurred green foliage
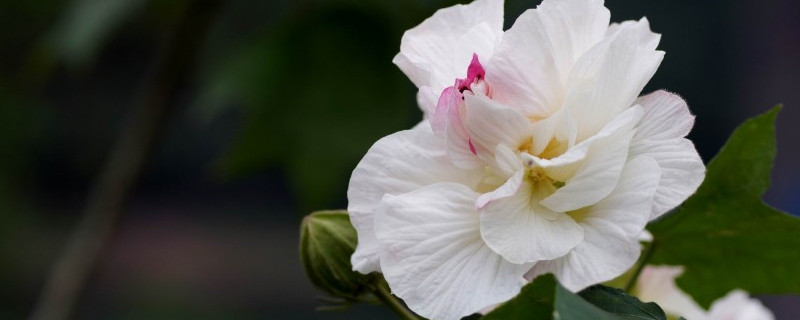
(317, 90)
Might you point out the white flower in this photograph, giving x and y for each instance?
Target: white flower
(536, 156)
(657, 283)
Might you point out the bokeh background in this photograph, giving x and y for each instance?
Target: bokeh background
(279, 101)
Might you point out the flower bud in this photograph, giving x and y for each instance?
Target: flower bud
(327, 240)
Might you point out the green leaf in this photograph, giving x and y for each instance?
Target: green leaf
(544, 298)
(725, 236)
(535, 301)
(618, 302)
(327, 240)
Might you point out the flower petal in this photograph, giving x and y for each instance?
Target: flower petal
(657, 284)
(738, 305)
(490, 124)
(626, 207)
(522, 231)
(598, 175)
(608, 78)
(666, 116)
(660, 135)
(447, 123)
(438, 51)
(396, 164)
(433, 256)
(682, 171)
(602, 256)
(427, 99)
(535, 57)
(509, 188)
(610, 245)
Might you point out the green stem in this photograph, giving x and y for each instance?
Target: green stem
(381, 290)
(648, 253)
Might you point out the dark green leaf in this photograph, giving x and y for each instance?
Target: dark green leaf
(724, 235)
(535, 301)
(618, 302)
(544, 298)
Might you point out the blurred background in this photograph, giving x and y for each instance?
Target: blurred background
(269, 106)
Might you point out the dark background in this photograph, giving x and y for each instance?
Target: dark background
(280, 103)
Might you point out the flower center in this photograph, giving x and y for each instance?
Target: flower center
(536, 174)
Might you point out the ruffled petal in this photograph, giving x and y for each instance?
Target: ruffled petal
(626, 208)
(666, 116)
(602, 256)
(608, 78)
(522, 231)
(564, 166)
(610, 245)
(438, 51)
(427, 99)
(597, 176)
(532, 62)
(660, 136)
(447, 123)
(490, 124)
(396, 164)
(507, 189)
(682, 171)
(433, 256)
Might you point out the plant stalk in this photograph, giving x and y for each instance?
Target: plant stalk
(381, 291)
(648, 253)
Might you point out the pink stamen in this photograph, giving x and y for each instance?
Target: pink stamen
(475, 72)
(472, 147)
(447, 114)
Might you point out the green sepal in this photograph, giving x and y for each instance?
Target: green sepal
(327, 240)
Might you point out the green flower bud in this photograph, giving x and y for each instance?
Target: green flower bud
(327, 240)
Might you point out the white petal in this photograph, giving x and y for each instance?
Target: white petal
(660, 135)
(666, 116)
(396, 164)
(657, 284)
(564, 166)
(490, 124)
(506, 160)
(609, 77)
(610, 245)
(602, 256)
(598, 175)
(438, 51)
(560, 168)
(522, 231)
(682, 170)
(535, 57)
(509, 188)
(647, 39)
(737, 305)
(434, 258)
(427, 99)
(447, 123)
(627, 207)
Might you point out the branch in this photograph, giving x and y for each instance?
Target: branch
(133, 147)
